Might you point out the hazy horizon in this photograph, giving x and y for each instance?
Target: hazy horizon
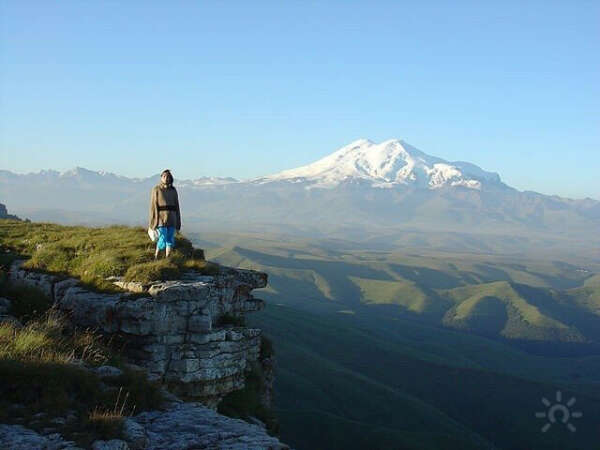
(244, 90)
(193, 177)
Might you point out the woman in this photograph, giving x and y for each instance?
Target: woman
(164, 213)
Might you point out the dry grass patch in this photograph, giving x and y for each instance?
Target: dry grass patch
(108, 422)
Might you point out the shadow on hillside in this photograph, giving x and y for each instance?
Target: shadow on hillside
(336, 273)
(562, 309)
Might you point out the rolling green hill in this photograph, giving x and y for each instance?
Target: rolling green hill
(483, 295)
(381, 349)
(499, 308)
(407, 294)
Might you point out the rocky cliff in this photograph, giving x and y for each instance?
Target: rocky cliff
(177, 330)
(187, 334)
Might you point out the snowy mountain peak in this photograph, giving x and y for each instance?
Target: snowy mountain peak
(384, 165)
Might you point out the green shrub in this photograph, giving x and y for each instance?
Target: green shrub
(246, 402)
(231, 319)
(266, 347)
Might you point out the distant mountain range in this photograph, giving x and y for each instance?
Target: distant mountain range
(382, 188)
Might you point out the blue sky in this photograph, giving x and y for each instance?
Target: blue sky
(249, 88)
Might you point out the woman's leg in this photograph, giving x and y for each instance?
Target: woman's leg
(170, 240)
(160, 242)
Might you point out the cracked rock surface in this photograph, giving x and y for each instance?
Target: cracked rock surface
(191, 426)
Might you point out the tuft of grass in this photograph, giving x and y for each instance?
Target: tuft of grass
(142, 394)
(163, 269)
(202, 266)
(105, 425)
(169, 268)
(48, 340)
(108, 423)
(93, 254)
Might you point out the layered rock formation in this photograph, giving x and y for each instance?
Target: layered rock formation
(177, 330)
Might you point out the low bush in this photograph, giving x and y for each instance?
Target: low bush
(266, 347)
(231, 319)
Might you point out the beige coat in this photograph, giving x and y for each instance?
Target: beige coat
(164, 207)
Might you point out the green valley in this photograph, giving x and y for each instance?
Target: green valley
(397, 349)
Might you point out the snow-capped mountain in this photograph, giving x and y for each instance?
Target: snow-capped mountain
(385, 165)
(363, 187)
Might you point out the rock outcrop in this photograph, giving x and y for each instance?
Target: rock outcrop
(4, 213)
(180, 331)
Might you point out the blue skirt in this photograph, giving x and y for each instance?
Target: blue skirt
(166, 237)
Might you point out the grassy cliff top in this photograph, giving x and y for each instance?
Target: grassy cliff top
(94, 254)
(43, 362)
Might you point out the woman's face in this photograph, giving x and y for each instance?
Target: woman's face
(164, 178)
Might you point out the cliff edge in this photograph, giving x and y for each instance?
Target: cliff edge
(188, 335)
